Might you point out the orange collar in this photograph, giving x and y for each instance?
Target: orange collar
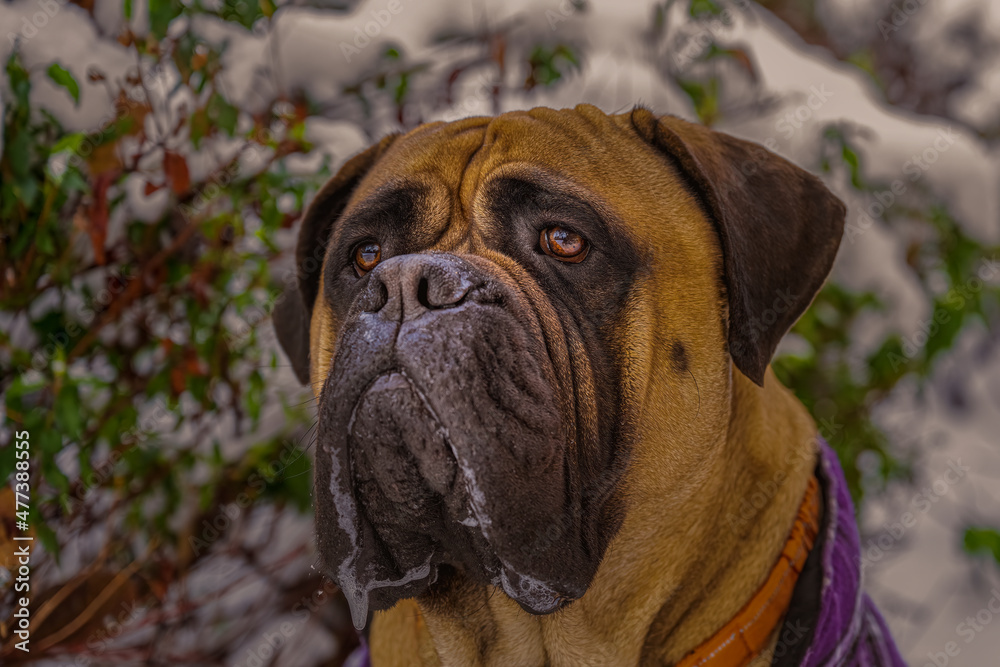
(744, 637)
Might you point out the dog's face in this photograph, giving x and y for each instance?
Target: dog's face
(498, 315)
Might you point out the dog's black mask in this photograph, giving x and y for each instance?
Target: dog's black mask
(459, 439)
(442, 441)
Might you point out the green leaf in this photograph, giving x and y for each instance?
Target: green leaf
(253, 397)
(864, 61)
(854, 165)
(982, 539)
(945, 325)
(701, 7)
(402, 88)
(549, 65)
(888, 364)
(222, 113)
(62, 77)
(245, 12)
(200, 126)
(19, 80)
(704, 98)
(161, 13)
(69, 411)
(44, 242)
(70, 142)
(50, 442)
(128, 10)
(48, 538)
(18, 152)
(7, 468)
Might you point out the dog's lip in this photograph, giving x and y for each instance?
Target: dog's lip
(475, 539)
(476, 497)
(383, 373)
(531, 594)
(397, 378)
(359, 596)
(356, 588)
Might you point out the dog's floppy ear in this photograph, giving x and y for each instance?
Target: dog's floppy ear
(293, 311)
(778, 225)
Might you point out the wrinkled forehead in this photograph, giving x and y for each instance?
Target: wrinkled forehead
(582, 154)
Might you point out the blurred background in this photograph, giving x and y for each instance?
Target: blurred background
(157, 155)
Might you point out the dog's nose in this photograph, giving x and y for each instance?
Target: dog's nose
(407, 286)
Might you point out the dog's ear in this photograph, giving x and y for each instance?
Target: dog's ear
(778, 225)
(293, 311)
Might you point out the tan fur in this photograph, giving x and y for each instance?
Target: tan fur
(683, 562)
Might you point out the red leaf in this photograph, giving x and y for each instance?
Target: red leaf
(176, 169)
(150, 188)
(97, 215)
(104, 158)
(177, 381)
(134, 111)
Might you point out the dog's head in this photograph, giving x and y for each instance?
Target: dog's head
(499, 315)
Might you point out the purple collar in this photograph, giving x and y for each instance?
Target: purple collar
(838, 627)
(359, 657)
(831, 621)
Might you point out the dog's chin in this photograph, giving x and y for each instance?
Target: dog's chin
(460, 466)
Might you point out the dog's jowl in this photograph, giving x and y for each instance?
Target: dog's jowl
(540, 345)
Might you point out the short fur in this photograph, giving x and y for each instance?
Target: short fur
(638, 379)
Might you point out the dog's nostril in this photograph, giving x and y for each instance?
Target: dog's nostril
(436, 293)
(423, 293)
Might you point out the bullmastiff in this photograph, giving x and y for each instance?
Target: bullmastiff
(548, 433)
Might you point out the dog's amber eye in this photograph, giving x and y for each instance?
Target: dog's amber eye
(366, 256)
(563, 244)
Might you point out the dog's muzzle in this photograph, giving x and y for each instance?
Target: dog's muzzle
(442, 442)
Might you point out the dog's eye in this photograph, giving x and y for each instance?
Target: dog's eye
(366, 256)
(563, 244)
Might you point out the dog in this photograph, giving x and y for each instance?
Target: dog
(548, 432)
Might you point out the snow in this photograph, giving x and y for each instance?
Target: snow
(321, 52)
